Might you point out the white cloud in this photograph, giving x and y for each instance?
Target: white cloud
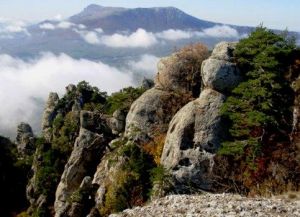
(81, 26)
(25, 85)
(174, 34)
(60, 25)
(13, 26)
(147, 65)
(47, 26)
(99, 30)
(91, 37)
(140, 38)
(65, 25)
(58, 17)
(219, 31)
(143, 39)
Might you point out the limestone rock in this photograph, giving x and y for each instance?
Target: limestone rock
(88, 149)
(118, 121)
(152, 112)
(49, 115)
(215, 205)
(70, 88)
(219, 72)
(194, 135)
(25, 139)
(147, 83)
(173, 75)
(224, 51)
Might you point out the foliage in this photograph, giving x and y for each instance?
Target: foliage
(258, 156)
(155, 147)
(254, 108)
(193, 55)
(131, 183)
(123, 99)
(14, 173)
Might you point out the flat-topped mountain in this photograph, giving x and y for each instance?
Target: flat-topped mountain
(130, 19)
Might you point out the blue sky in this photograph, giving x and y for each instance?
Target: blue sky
(273, 13)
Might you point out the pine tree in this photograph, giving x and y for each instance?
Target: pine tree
(260, 106)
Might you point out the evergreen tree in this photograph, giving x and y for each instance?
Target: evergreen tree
(260, 106)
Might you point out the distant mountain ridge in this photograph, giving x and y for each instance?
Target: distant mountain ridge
(156, 19)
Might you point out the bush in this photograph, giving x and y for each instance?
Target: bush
(254, 108)
(123, 99)
(131, 184)
(260, 156)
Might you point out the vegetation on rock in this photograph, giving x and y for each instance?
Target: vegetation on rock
(259, 113)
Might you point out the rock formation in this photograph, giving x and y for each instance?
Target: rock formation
(49, 115)
(88, 149)
(196, 131)
(176, 83)
(117, 122)
(25, 139)
(219, 72)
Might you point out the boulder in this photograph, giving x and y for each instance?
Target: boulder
(49, 115)
(173, 75)
(152, 112)
(219, 72)
(224, 51)
(118, 121)
(25, 139)
(194, 135)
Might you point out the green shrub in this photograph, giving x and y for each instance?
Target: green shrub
(123, 99)
(254, 108)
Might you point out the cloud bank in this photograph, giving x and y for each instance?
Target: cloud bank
(145, 65)
(143, 39)
(25, 85)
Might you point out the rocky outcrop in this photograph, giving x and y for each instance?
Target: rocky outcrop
(180, 72)
(49, 115)
(215, 205)
(147, 83)
(88, 149)
(176, 83)
(25, 139)
(196, 131)
(118, 121)
(218, 72)
(151, 113)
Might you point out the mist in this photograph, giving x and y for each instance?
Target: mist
(25, 85)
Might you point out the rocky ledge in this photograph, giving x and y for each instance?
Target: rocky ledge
(217, 205)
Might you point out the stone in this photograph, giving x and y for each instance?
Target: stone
(25, 139)
(219, 72)
(118, 121)
(49, 115)
(194, 135)
(71, 88)
(224, 51)
(173, 75)
(220, 75)
(151, 113)
(87, 152)
(147, 83)
(215, 205)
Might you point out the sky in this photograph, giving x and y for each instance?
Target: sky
(277, 14)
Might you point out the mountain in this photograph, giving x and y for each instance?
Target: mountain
(158, 19)
(61, 36)
(112, 19)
